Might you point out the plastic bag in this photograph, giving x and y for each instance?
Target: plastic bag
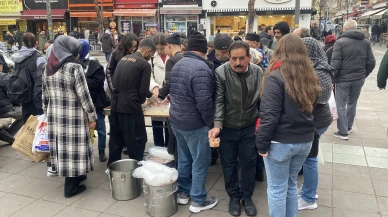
(155, 174)
(333, 106)
(160, 152)
(321, 160)
(41, 142)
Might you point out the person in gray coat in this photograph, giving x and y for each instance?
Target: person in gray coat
(107, 44)
(353, 61)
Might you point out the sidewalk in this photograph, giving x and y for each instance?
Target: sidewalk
(352, 183)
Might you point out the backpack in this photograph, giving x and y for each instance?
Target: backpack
(20, 84)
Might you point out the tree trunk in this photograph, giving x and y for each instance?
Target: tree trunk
(251, 15)
(99, 19)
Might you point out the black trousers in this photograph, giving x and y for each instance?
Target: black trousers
(157, 129)
(123, 133)
(238, 146)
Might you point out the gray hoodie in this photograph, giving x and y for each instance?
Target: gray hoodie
(24, 53)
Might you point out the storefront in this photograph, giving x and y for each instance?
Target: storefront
(83, 14)
(36, 15)
(231, 17)
(9, 16)
(180, 15)
(136, 16)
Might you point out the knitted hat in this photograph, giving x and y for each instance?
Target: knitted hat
(222, 42)
(197, 42)
(330, 38)
(173, 39)
(283, 27)
(252, 37)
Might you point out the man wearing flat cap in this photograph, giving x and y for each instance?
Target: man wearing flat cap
(220, 54)
(253, 41)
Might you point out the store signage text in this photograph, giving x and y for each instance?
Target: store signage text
(10, 6)
(277, 1)
(181, 2)
(136, 6)
(7, 22)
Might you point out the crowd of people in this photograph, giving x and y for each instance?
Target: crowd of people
(263, 97)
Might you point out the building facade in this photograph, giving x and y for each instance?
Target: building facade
(10, 16)
(231, 16)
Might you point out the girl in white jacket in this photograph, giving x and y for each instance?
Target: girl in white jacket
(158, 63)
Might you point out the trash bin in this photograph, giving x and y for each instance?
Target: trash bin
(161, 201)
(122, 184)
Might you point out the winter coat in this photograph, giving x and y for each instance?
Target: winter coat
(170, 63)
(69, 108)
(42, 41)
(107, 43)
(382, 75)
(158, 71)
(9, 39)
(281, 119)
(212, 58)
(265, 39)
(230, 109)
(191, 93)
(5, 102)
(18, 39)
(352, 58)
(95, 78)
(328, 48)
(6, 68)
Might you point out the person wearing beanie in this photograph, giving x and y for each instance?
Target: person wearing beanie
(173, 50)
(253, 40)
(329, 45)
(236, 101)
(220, 54)
(191, 118)
(280, 29)
(95, 77)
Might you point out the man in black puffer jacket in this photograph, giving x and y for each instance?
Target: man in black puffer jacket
(191, 118)
(353, 61)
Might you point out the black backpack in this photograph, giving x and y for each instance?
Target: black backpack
(20, 84)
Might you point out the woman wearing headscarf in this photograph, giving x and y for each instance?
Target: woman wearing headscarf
(322, 120)
(95, 77)
(70, 113)
(329, 45)
(42, 41)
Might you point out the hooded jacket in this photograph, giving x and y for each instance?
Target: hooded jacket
(107, 43)
(352, 58)
(265, 39)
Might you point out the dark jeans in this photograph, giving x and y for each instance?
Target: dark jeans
(159, 139)
(122, 133)
(238, 146)
(107, 56)
(101, 129)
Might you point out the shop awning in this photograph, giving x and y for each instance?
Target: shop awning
(89, 14)
(9, 16)
(188, 10)
(370, 13)
(56, 14)
(379, 15)
(135, 12)
(7, 21)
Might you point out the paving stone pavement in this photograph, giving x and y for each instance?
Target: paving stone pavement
(353, 182)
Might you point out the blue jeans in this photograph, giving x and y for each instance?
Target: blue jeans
(107, 56)
(193, 158)
(310, 175)
(101, 129)
(283, 164)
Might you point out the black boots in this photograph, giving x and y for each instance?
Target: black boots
(102, 155)
(73, 187)
(234, 207)
(250, 208)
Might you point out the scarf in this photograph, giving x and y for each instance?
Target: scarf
(65, 49)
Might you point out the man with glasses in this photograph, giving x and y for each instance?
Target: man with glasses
(280, 29)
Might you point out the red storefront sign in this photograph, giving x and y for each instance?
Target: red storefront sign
(127, 4)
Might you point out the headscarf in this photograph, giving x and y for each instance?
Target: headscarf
(330, 39)
(84, 50)
(65, 49)
(323, 69)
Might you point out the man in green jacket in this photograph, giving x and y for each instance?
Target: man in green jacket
(382, 75)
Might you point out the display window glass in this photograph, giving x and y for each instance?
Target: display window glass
(271, 20)
(230, 25)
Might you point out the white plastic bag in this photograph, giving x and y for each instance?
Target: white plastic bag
(41, 143)
(321, 160)
(160, 152)
(155, 174)
(333, 106)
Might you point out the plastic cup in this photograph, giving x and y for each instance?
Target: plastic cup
(214, 143)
